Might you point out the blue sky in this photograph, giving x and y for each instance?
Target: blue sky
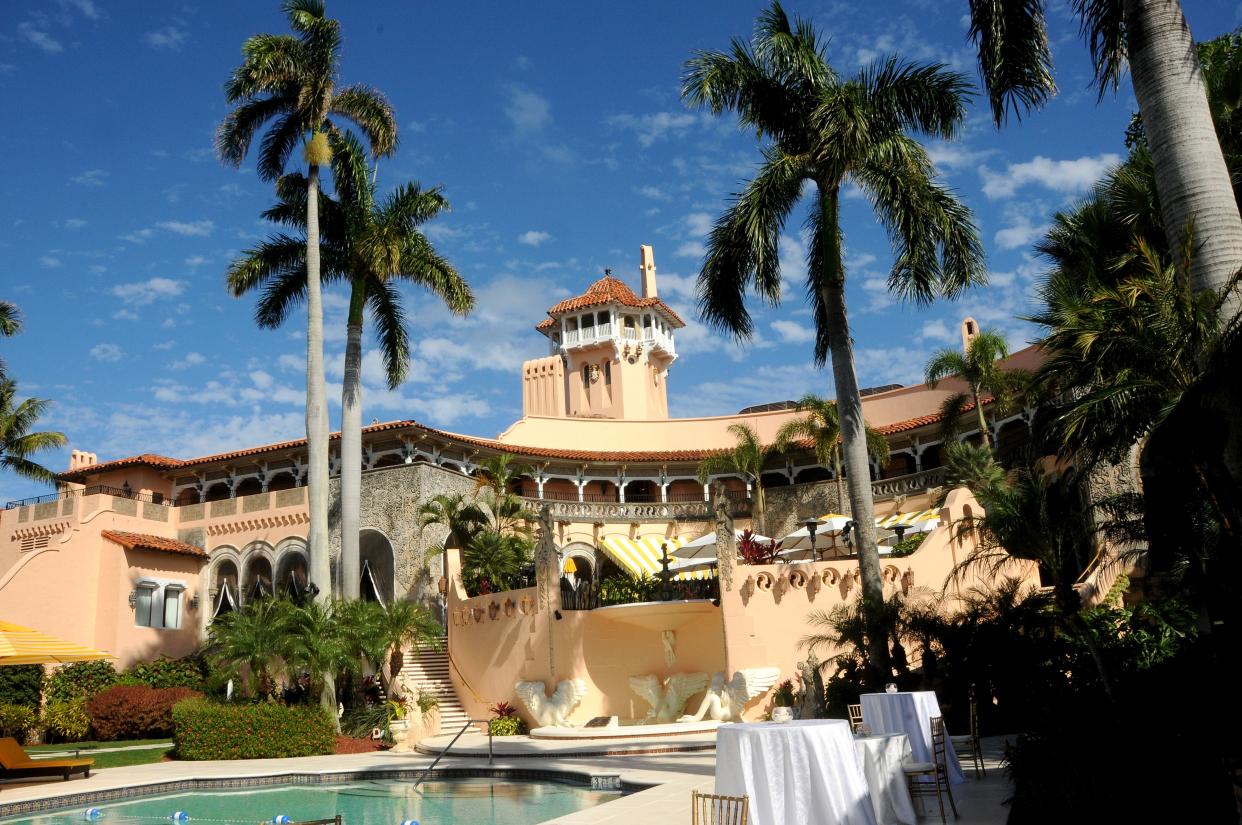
(557, 131)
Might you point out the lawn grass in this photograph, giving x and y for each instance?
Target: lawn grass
(90, 746)
(120, 759)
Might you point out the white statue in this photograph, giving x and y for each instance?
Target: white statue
(667, 700)
(725, 700)
(553, 711)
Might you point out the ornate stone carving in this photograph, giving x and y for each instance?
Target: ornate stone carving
(667, 698)
(547, 564)
(726, 536)
(813, 698)
(551, 711)
(725, 701)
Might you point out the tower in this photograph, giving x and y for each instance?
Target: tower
(609, 352)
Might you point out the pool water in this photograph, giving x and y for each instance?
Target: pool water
(379, 802)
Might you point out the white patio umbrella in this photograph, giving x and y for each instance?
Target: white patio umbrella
(692, 565)
(704, 547)
(830, 526)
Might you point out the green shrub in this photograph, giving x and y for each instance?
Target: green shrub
(80, 680)
(507, 726)
(135, 711)
(907, 546)
(188, 672)
(21, 685)
(208, 730)
(16, 721)
(360, 721)
(427, 701)
(67, 720)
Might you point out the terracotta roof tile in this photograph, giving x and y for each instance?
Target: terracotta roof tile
(145, 541)
(160, 462)
(608, 290)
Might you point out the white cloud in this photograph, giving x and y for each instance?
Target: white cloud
(106, 352)
(191, 359)
(699, 224)
(91, 177)
(125, 315)
(39, 38)
(169, 37)
(74, 223)
(650, 128)
(164, 345)
(87, 7)
(653, 192)
(690, 249)
(199, 229)
(195, 261)
(760, 385)
(146, 292)
(534, 237)
(877, 366)
(49, 262)
(138, 236)
(262, 380)
(1065, 176)
(937, 330)
(791, 332)
(1021, 233)
(528, 111)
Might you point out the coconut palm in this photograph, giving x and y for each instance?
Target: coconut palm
(822, 427)
(288, 82)
(979, 366)
(746, 460)
(1152, 39)
(460, 515)
(10, 324)
(373, 246)
(829, 132)
(494, 482)
(17, 443)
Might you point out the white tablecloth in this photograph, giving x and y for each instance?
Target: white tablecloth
(881, 757)
(910, 713)
(805, 772)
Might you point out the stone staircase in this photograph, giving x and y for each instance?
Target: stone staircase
(427, 670)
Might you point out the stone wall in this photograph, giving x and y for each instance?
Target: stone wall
(391, 497)
(787, 506)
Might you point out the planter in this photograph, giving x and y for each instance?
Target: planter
(400, 730)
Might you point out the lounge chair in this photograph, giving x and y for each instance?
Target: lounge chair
(15, 763)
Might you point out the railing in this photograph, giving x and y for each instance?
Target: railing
(440, 756)
(614, 510)
(588, 595)
(93, 490)
(906, 485)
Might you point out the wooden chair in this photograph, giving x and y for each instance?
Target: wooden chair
(856, 719)
(937, 771)
(709, 809)
(970, 742)
(16, 763)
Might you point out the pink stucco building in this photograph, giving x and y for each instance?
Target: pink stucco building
(136, 554)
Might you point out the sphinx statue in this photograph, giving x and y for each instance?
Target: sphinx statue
(725, 701)
(667, 698)
(551, 711)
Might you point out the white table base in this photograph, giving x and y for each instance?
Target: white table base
(881, 758)
(910, 713)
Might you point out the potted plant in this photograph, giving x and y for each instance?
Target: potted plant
(505, 720)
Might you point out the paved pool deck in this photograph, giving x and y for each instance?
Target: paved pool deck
(667, 777)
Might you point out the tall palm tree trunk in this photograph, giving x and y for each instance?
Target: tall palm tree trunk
(316, 403)
(853, 432)
(760, 510)
(1191, 175)
(351, 446)
(836, 471)
(983, 421)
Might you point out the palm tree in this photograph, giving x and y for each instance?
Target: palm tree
(460, 515)
(372, 246)
(495, 558)
(822, 427)
(17, 443)
(313, 642)
(1152, 38)
(10, 324)
(826, 131)
(379, 633)
(251, 641)
(979, 366)
(747, 460)
(494, 490)
(289, 82)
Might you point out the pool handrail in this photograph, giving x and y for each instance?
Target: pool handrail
(336, 820)
(440, 755)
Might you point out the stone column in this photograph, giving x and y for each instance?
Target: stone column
(726, 537)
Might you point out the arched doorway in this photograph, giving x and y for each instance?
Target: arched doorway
(224, 593)
(376, 563)
(257, 577)
(292, 574)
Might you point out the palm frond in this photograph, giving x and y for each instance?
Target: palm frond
(920, 97)
(1103, 27)
(1014, 56)
(388, 316)
(371, 112)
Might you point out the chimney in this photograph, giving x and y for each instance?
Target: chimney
(970, 328)
(646, 269)
(79, 459)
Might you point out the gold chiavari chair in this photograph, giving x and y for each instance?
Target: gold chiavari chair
(856, 719)
(709, 809)
(937, 771)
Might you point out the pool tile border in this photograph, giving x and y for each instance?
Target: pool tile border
(594, 781)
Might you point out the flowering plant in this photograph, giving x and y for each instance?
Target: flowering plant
(755, 550)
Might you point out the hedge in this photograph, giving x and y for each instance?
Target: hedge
(210, 730)
(135, 711)
(17, 721)
(80, 680)
(21, 685)
(67, 721)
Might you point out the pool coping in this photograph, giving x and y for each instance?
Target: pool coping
(595, 780)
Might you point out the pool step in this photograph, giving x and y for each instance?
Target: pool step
(427, 670)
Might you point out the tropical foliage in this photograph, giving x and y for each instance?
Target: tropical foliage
(18, 445)
(822, 130)
(746, 460)
(821, 426)
(979, 366)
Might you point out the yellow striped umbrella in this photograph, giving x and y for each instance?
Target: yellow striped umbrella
(642, 555)
(23, 646)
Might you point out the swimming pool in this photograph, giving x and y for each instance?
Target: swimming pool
(373, 802)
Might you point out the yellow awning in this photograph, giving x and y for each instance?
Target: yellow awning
(639, 556)
(23, 646)
(906, 519)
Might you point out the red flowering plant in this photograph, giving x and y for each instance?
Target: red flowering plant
(754, 550)
(505, 720)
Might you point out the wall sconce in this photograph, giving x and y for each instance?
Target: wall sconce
(194, 601)
(133, 598)
(557, 614)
